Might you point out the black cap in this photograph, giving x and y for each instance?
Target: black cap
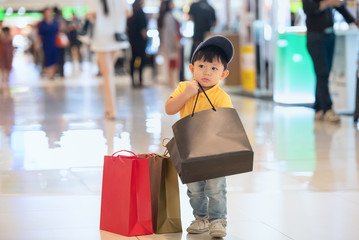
(219, 41)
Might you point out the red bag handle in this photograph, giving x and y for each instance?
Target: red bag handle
(113, 155)
(124, 151)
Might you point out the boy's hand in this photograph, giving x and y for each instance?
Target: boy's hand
(191, 88)
(174, 104)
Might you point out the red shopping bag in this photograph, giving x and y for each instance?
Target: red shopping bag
(126, 196)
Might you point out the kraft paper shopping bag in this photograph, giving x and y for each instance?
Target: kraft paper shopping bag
(210, 144)
(166, 212)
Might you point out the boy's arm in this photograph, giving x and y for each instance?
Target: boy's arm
(174, 104)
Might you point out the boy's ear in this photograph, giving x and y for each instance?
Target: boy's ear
(225, 74)
(191, 67)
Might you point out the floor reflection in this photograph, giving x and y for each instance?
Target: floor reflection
(294, 131)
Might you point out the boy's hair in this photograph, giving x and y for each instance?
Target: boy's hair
(209, 53)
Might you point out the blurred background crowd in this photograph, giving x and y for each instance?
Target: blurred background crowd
(269, 37)
(59, 40)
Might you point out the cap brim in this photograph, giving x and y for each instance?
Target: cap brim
(219, 41)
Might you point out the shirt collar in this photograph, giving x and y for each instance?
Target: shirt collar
(212, 89)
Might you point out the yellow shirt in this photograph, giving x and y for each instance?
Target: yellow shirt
(218, 97)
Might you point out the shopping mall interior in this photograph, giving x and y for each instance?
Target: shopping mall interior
(54, 135)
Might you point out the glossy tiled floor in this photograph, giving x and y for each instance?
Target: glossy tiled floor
(53, 138)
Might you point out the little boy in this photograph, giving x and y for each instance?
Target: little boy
(208, 66)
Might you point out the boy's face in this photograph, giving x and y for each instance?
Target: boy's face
(208, 74)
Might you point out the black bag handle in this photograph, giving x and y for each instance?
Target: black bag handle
(195, 103)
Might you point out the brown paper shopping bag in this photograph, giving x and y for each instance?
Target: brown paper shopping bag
(210, 144)
(166, 213)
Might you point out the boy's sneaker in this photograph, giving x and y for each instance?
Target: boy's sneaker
(217, 228)
(331, 116)
(200, 225)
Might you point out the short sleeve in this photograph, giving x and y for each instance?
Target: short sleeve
(179, 89)
(227, 102)
(223, 100)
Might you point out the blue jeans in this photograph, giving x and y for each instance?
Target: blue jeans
(209, 198)
(321, 49)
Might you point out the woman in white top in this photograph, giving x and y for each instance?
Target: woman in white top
(109, 17)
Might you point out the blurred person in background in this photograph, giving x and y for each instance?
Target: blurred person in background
(47, 30)
(85, 34)
(1, 52)
(137, 33)
(170, 41)
(36, 48)
(6, 100)
(109, 17)
(6, 57)
(62, 44)
(320, 45)
(204, 18)
(73, 28)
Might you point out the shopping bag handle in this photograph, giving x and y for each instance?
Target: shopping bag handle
(124, 151)
(148, 155)
(195, 103)
(113, 155)
(164, 155)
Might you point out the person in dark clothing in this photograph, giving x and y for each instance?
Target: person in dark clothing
(62, 49)
(47, 30)
(204, 18)
(73, 27)
(137, 34)
(320, 45)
